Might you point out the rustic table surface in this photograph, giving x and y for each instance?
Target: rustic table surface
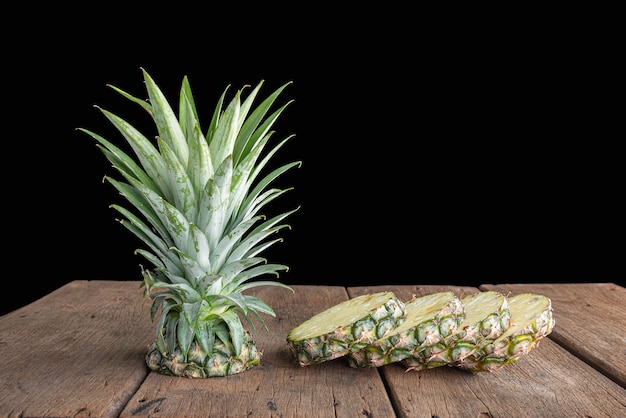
(79, 352)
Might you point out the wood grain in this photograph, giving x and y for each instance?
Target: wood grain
(538, 385)
(79, 351)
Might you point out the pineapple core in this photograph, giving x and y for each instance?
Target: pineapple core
(339, 315)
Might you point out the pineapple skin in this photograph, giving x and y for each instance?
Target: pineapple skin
(457, 346)
(409, 342)
(222, 362)
(345, 339)
(509, 349)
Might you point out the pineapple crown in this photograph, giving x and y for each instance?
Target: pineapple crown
(197, 198)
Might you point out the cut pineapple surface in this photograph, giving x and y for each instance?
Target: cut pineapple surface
(341, 314)
(345, 327)
(429, 318)
(531, 320)
(479, 306)
(427, 307)
(487, 316)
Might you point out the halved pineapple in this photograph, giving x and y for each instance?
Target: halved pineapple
(531, 319)
(487, 316)
(345, 327)
(429, 318)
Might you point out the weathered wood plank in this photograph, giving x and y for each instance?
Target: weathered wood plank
(78, 351)
(278, 386)
(590, 321)
(548, 382)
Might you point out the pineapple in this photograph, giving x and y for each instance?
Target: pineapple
(531, 320)
(480, 332)
(197, 197)
(429, 318)
(487, 316)
(345, 327)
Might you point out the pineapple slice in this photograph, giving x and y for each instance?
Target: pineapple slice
(531, 319)
(487, 316)
(428, 319)
(345, 327)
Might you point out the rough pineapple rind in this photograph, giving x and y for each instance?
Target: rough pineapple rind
(532, 319)
(487, 317)
(222, 362)
(345, 327)
(429, 318)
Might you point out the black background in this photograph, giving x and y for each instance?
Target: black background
(435, 151)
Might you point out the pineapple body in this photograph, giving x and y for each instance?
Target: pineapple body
(223, 361)
(429, 319)
(487, 316)
(532, 319)
(345, 327)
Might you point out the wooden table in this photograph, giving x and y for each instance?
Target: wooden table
(79, 352)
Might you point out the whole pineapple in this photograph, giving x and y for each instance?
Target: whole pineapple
(197, 197)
